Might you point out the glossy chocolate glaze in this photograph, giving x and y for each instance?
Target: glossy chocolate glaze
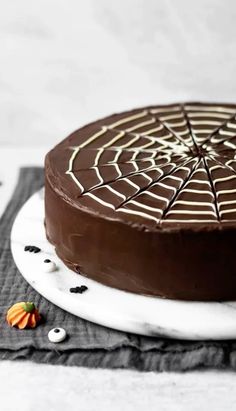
(145, 201)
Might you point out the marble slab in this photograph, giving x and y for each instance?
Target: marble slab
(107, 306)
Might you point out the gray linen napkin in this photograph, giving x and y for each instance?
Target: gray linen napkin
(88, 344)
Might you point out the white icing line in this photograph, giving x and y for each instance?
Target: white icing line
(76, 181)
(179, 124)
(202, 131)
(116, 138)
(216, 115)
(93, 138)
(146, 176)
(146, 207)
(199, 182)
(229, 162)
(183, 133)
(153, 130)
(226, 191)
(131, 183)
(152, 141)
(117, 193)
(119, 152)
(191, 212)
(203, 123)
(217, 180)
(99, 200)
(171, 117)
(165, 109)
(233, 210)
(76, 150)
(199, 170)
(101, 181)
(164, 137)
(100, 151)
(210, 108)
(194, 203)
(174, 178)
(151, 194)
(139, 213)
(227, 133)
(141, 125)
(231, 125)
(128, 119)
(215, 167)
(221, 203)
(231, 145)
(133, 140)
(69, 171)
(189, 190)
(166, 186)
(118, 170)
(171, 220)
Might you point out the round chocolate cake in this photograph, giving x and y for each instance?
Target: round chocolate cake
(145, 201)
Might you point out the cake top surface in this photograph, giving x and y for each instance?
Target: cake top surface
(156, 167)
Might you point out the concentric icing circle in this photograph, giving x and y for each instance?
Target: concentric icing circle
(167, 164)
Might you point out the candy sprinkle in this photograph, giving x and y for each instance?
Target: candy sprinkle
(49, 266)
(57, 335)
(79, 290)
(32, 249)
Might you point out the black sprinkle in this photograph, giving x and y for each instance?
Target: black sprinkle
(32, 249)
(47, 260)
(79, 290)
(56, 330)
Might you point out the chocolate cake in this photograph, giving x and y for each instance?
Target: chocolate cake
(145, 201)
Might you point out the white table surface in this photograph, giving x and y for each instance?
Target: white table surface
(28, 386)
(64, 63)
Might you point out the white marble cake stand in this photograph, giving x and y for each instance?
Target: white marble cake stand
(107, 306)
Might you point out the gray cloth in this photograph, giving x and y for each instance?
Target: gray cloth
(88, 344)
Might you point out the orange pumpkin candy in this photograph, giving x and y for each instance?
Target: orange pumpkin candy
(22, 315)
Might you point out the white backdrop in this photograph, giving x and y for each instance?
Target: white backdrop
(66, 62)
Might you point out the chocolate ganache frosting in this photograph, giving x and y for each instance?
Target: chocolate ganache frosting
(145, 201)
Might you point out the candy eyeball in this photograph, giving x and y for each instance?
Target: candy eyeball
(49, 266)
(57, 335)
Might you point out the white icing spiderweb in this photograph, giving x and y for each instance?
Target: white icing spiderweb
(169, 164)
